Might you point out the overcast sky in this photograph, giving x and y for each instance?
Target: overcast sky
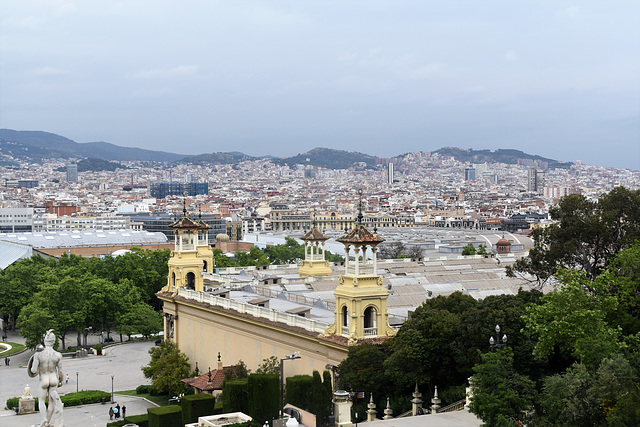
(555, 78)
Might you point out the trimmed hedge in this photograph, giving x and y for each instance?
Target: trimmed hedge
(147, 389)
(235, 396)
(263, 397)
(298, 391)
(140, 420)
(70, 399)
(197, 405)
(117, 423)
(165, 416)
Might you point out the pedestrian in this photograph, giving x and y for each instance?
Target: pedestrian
(118, 409)
(111, 413)
(8, 361)
(124, 411)
(66, 378)
(115, 412)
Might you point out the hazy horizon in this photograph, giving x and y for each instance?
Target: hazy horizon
(558, 79)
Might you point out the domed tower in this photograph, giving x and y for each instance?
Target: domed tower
(314, 263)
(503, 246)
(191, 256)
(361, 300)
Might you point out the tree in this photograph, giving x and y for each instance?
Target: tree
(573, 319)
(586, 236)
(469, 249)
(500, 395)
(167, 368)
(18, 284)
(482, 250)
(392, 250)
(141, 319)
(270, 365)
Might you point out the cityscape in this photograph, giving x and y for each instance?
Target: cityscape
(317, 214)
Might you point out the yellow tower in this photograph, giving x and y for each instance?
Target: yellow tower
(191, 256)
(361, 300)
(314, 263)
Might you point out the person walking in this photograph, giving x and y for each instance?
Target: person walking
(111, 413)
(66, 378)
(124, 411)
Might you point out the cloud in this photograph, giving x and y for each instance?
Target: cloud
(571, 12)
(49, 71)
(167, 73)
(510, 56)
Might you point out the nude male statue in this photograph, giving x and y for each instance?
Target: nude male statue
(47, 362)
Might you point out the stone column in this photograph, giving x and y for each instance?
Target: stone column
(371, 412)
(435, 402)
(388, 412)
(342, 408)
(416, 402)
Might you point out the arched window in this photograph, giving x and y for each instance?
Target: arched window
(345, 316)
(369, 317)
(173, 281)
(191, 280)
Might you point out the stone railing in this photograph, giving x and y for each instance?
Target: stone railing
(455, 406)
(351, 269)
(254, 310)
(370, 332)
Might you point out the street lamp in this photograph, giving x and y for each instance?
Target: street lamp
(76, 381)
(498, 343)
(293, 356)
(111, 388)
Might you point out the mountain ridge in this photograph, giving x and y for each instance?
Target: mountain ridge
(39, 145)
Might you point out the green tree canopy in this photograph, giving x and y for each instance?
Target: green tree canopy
(167, 368)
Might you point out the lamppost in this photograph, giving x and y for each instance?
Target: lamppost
(111, 388)
(76, 381)
(498, 343)
(293, 356)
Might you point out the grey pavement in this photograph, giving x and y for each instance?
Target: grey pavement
(123, 361)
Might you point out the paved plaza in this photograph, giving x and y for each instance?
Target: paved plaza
(123, 361)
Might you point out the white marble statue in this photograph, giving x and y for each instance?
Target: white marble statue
(47, 363)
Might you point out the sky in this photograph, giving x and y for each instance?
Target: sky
(560, 79)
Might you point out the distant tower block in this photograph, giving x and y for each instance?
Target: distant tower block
(390, 173)
(361, 300)
(314, 263)
(191, 257)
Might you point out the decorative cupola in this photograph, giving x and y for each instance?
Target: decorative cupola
(191, 256)
(503, 246)
(361, 300)
(314, 263)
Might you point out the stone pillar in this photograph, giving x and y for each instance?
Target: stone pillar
(435, 402)
(371, 412)
(342, 408)
(388, 412)
(416, 402)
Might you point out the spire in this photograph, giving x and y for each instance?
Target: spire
(360, 207)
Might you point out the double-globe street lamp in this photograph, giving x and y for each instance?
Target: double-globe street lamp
(293, 356)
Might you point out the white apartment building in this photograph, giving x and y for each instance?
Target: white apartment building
(53, 222)
(16, 219)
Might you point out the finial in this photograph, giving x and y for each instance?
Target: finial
(360, 207)
(184, 206)
(200, 212)
(209, 374)
(197, 370)
(218, 356)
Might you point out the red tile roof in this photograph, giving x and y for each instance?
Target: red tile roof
(360, 234)
(314, 234)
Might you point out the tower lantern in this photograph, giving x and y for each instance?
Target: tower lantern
(191, 256)
(361, 300)
(314, 263)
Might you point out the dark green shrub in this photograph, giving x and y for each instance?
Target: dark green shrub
(263, 397)
(197, 405)
(98, 348)
(116, 423)
(143, 389)
(298, 391)
(234, 396)
(140, 420)
(165, 416)
(153, 391)
(70, 399)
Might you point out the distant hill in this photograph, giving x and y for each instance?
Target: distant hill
(508, 156)
(217, 158)
(330, 159)
(95, 165)
(37, 145)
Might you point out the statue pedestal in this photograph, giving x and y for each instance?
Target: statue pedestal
(26, 405)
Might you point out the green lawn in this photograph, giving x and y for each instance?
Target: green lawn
(162, 400)
(15, 348)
